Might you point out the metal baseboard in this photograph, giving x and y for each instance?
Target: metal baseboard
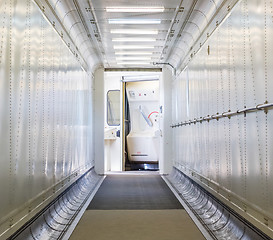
(55, 220)
(213, 216)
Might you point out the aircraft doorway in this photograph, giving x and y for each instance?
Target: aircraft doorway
(141, 125)
(131, 123)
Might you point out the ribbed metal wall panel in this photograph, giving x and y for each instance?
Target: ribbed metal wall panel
(45, 113)
(231, 157)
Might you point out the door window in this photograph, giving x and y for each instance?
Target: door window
(113, 108)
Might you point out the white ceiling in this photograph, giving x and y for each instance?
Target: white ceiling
(181, 23)
(113, 58)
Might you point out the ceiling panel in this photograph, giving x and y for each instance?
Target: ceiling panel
(119, 46)
(90, 26)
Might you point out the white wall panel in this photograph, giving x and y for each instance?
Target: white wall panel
(232, 71)
(45, 113)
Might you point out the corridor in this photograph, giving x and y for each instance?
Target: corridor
(135, 206)
(92, 90)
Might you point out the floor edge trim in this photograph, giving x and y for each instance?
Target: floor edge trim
(75, 222)
(201, 228)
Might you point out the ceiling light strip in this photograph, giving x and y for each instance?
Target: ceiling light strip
(134, 63)
(135, 9)
(134, 58)
(133, 47)
(134, 21)
(134, 31)
(133, 39)
(133, 53)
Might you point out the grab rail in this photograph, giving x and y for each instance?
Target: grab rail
(148, 120)
(265, 106)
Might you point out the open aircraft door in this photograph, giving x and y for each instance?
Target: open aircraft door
(142, 134)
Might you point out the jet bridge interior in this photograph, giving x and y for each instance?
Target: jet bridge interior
(210, 127)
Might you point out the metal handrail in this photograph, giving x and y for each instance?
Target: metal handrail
(265, 106)
(229, 114)
(250, 109)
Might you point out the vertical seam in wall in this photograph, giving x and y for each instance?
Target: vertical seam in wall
(43, 106)
(237, 122)
(216, 123)
(265, 49)
(266, 100)
(200, 156)
(210, 97)
(46, 113)
(50, 153)
(64, 116)
(69, 122)
(223, 121)
(30, 167)
(3, 31)
(53, 110)
(244, 160)
(36, 88)
(229, 106)
(11, 190)
(67, 133)
(60, 111)
(255, 102)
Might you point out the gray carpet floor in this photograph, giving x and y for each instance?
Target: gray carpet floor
(138, 192)
(135, 207)
(165, 224)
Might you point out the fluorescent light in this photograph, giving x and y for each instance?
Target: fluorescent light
(133, 47)
(134, 31)
(134, 63)
(133, 58)
(134, 21)
(134, 9)
(133, 39)
(140, 78)
(133, 53)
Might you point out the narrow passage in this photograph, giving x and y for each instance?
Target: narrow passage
(140, 207)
